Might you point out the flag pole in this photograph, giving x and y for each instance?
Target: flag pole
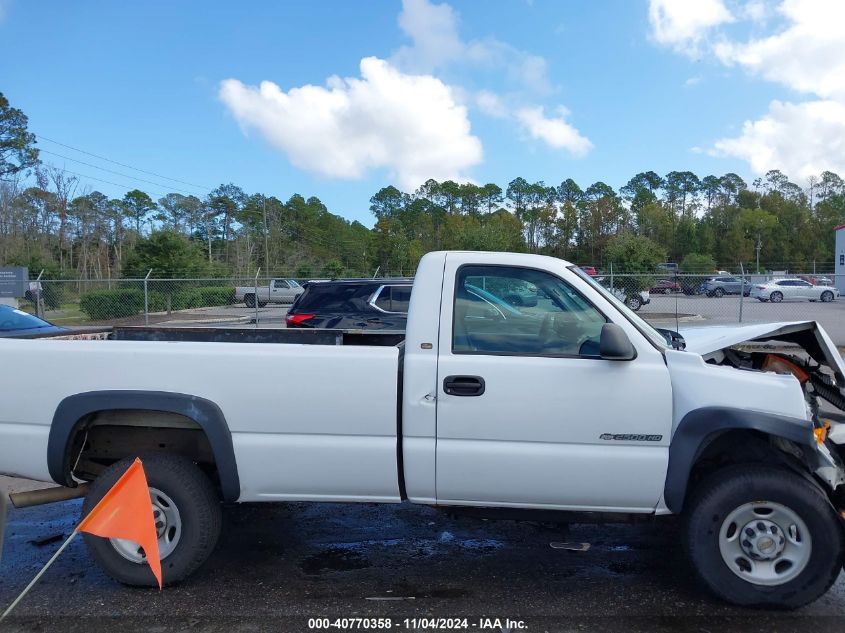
(37, 576)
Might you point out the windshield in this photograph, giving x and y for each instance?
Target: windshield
(12, 320)
(643, 326)
(294, 283)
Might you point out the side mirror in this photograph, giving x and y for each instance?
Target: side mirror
(614, 344)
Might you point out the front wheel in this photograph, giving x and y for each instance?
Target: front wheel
(187, 516)
(763, 536)
(634, 303)
(827, 296)
(718, 293)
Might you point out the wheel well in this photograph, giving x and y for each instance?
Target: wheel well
(744, 446)
(103, 437)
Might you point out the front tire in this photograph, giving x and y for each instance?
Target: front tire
(718, 293)
(634, 303)
(763, 536)
(185, 504)
(827, 296)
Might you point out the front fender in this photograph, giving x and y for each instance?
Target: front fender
(701, 426)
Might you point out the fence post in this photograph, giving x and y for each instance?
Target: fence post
(257, 272)
(741, 289)
(611, 275)
(39, 298)
(147, 299)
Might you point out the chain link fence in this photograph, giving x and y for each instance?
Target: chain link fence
(669, 300)
(685, 301)
(155, 301)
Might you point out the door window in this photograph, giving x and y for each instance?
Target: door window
(552, 319)
(280, 284)
(393, 299)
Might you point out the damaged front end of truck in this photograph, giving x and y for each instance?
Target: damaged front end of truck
(789, 377)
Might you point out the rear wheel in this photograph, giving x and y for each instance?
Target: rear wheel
(187, 515)
(763, 536)
(718, 293)
(776, 297)
(827, 296)
(634, 303)
(249, 301)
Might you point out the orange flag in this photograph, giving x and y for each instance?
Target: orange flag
(126, 512)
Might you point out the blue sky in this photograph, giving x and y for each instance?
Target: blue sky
(487, 91)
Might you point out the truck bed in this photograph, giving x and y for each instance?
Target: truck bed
(312, 414)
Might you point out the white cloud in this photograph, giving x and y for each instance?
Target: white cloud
(433, 29)
(693, 81)
(804, 52)
(685, 24)
(808, 55)
(554, 131)
(491, 104)
(410, 125)
(436, 44)
(801, 139)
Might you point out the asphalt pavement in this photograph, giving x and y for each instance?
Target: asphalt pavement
(279, 565)
(700, 310)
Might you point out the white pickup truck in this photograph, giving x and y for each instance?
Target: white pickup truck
(573, 408)
(276, 291)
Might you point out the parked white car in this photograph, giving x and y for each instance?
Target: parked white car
(779, 290)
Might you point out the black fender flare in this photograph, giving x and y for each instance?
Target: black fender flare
(204, 412)
(701, 426)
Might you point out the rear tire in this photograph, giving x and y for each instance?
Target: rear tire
(763, 536)
(634, 303)
(776, 297)
(198, 520)
(827, 296)
(718, 293)
(249, 301)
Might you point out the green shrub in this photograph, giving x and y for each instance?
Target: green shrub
(213, 296)
(187, 298)
(101, 305)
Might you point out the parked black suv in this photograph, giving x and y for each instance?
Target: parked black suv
(352, 304)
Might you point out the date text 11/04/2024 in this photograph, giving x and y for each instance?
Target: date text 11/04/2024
(424, 623)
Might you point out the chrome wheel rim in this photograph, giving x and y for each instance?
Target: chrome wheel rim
(168, 524)
(765, 543)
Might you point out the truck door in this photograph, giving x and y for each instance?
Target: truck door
(280, 291)
(528, 414)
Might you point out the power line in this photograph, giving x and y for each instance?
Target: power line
(109, 160)
(116, 173)
(108, 182)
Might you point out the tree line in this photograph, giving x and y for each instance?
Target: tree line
(50, 221)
